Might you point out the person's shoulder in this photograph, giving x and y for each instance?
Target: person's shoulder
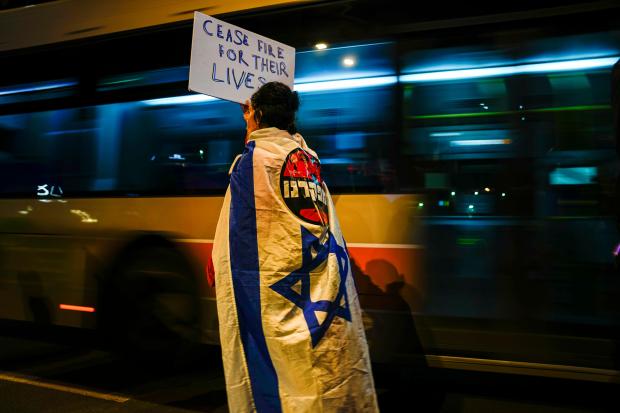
(274, 147)
(304, 145)
(279, 144)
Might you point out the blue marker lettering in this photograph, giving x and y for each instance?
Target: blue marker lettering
(248, 81)
(239, 39)
(238, 85)
(241, 59)
(244, 41)
(280, 53)
(283, 68)
(213, 74)
(204, 27)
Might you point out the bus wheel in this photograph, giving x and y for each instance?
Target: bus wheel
(153, 307)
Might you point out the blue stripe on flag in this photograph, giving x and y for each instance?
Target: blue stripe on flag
(246, 283)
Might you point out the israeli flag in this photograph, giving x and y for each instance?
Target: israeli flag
(290, 321)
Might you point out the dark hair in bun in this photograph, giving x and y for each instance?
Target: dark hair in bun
(276, 104)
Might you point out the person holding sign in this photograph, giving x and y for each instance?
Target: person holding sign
(290, 319)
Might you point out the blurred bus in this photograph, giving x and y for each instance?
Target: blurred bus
(472, 160)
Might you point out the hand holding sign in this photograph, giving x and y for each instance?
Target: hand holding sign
(230, 63)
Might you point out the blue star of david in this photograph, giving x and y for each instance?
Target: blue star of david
(302, 300)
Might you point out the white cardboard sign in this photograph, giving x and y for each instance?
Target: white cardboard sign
(231, 63)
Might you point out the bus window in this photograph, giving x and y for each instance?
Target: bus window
(54, 148)
(348, 114)
(179, 148)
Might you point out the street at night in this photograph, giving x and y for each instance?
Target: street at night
(50, 373)
(300, 206)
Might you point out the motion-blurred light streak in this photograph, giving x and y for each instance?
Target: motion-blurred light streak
(548, 67)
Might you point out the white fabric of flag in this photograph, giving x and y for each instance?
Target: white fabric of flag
(290, 321)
